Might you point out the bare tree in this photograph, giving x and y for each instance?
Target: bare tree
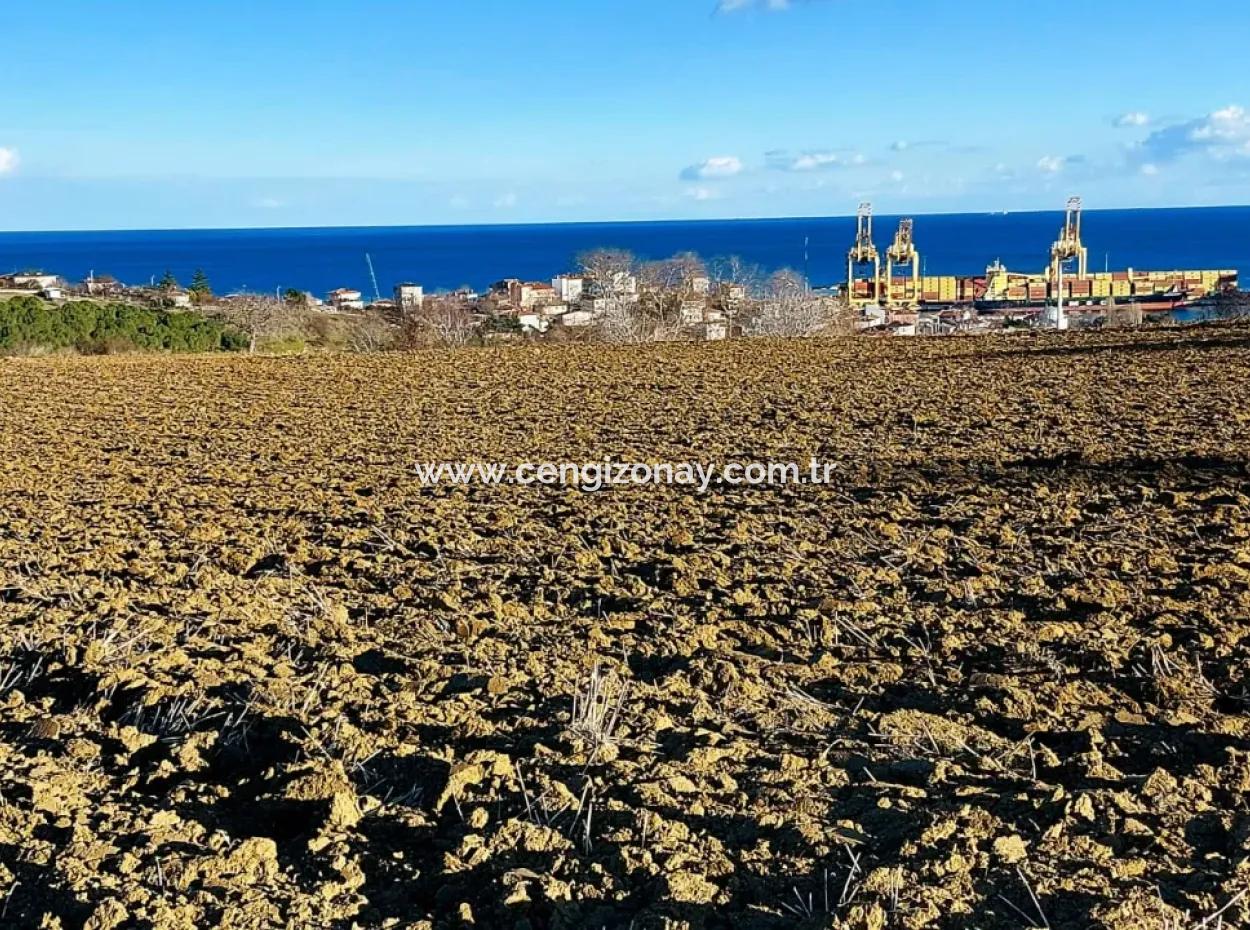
(371, 333)
(625, 324)
(789, 310)
(1231, 304)
(673, 274)
(621, 324)
(440, 322)
(260, 317)
(786, 283)
(663, 285)
(733, 271)
(660, 277)
(606, 271)
(737, 287)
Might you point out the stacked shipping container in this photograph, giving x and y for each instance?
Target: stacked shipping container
(1036, 289)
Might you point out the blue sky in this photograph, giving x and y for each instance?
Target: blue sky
(167, 113)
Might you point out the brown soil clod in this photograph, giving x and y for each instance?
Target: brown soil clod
(994, 674)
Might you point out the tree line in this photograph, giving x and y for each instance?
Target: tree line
(29, 324)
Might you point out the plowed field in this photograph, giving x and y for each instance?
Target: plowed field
(996, 674)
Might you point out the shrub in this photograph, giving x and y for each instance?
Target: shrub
(109, 327)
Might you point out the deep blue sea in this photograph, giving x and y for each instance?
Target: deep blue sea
(445, 257)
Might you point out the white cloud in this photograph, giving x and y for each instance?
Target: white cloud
(506, 202)
(459, 202)
(1222, 135)
(702, 193)
(268, 203)
(1150, 169)
(8, 160)
(897, 176)
(733, 6)
(1132, 119)
(812, 161)
(1051, 164)
(911, 145)
(718, 166)
(1229, 125)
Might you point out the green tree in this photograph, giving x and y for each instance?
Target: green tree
(295, 297)
(168, 282)
(200, 289)
(27, 322)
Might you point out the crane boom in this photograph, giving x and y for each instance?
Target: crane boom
(377, 294)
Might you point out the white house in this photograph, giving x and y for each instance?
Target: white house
(409, 297)
(526, 295)
(35, 282)
(533, 322)
(693, 312)
(345, 299)
(577, 318)
(569, 288)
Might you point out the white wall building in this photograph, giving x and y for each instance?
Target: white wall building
(533, 322)
(577, 318)
(409, 297)
(693, 312)
(569, 288)
(345, 299)
(526, 295)
(624, 284)
(36, 282)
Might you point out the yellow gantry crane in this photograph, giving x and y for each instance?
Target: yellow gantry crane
(902, 251)
(863, 252)
(1068, 245)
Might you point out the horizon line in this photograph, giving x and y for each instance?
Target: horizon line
(666, 220)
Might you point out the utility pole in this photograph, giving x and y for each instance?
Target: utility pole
(1061, 319)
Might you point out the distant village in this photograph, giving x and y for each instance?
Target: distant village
(569, 300)
(612, 296)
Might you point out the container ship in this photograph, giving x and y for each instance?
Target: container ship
(1005, 291)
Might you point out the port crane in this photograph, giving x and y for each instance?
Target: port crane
(1069, 246)
(902, 251)
(863, 252)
